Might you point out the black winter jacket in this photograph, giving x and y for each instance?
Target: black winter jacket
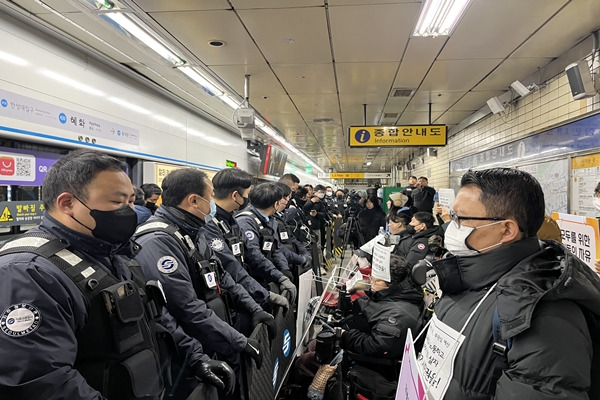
(380, 322)
(542, 294)
(370, 221)
(415, 247)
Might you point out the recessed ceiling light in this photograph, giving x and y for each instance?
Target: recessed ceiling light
(217, 43)
(288, 41)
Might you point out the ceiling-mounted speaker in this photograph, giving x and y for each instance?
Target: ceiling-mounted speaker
(580, 80)
(495, 105)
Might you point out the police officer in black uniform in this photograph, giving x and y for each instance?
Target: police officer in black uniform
(256, 223)
(296, 254)
(232, 187)
(79, 320)
(200, 294)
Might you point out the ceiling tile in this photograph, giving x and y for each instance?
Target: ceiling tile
(572, 24)
(440, 100)
(371, 32)
(323, 105)
(457, 74)
(494, 29)
(364, 78)
(510, 71)
(272, 29)
(475, 100)
(248, 5)
(262, 81)
(306, 78)
(182, 5)
(195, 29)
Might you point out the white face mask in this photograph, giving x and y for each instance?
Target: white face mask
(596, 203)
(320, 195)
(455, 239)
(329, 194)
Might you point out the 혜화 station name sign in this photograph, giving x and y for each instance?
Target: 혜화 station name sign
(397, 136)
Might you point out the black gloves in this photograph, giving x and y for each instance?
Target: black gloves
(216, 373)
(279, 300)
(286, 284)
(268, 320)
(253, 351)
(288, 274)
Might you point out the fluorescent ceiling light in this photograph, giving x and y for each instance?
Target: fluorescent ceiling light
(13, 59)
(230, 102)
(197, 77)
(128, 105)
(168, 121)
(71, 82)
(439, 17)
(136, 29)
(368, 163)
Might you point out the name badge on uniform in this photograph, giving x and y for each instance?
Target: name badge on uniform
(267, 246)
(283, 235)
(236, 249)
(210, 279)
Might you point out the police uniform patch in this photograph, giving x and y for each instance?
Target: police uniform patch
(167, 264)
(249, 235)
(217, 244)
(20, 320)
(421, 246)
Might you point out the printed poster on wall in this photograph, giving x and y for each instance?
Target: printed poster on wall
(580, 236)
(553, 177)
(585, 176)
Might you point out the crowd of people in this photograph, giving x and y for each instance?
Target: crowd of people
(143, 293)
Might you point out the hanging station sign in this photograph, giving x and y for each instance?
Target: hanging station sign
(397, 136)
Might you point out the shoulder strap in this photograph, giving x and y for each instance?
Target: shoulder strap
(89, 278)
(500, 349)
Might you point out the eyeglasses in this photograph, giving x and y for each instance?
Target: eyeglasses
(457, 218)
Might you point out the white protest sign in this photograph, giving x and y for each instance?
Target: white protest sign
(368, 247)
(579, 236)
(410, 383)
(436, 361)
(381, 262)
(446, 198)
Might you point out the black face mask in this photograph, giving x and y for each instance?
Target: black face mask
(244, 203)
(151, 206)
(340, 196)
(410, 229)
(115, 226)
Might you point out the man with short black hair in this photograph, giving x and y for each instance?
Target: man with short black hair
(423, 195)
(232, 187)
(198, 289)
(519, 313)
(152, 193)
(79, 320)
(291, 180)
(407, 191)
(263, 255)
(415, 246)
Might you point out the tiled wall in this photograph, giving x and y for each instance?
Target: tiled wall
(551, 105)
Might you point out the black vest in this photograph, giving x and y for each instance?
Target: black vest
(122, 347)
(205, 268)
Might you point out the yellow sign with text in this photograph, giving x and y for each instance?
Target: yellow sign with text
(346, 175)
(397, 136)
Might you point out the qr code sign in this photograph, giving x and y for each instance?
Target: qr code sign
(17, 167)
(24, 167)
